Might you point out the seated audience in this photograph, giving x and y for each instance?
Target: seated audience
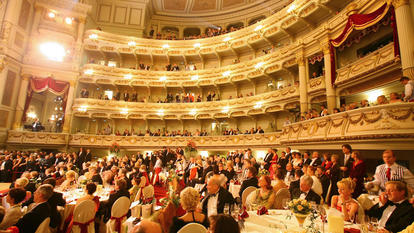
(70, 181)
(251, 180)
(305, 191)
(14, 213)
(279, 178)
(344, 202)
(189, 199)
(223, 223)
(394, 211)
(90, 189)
(216, 199)
(120, 191)
(263, 196)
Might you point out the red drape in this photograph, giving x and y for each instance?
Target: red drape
(360, 22)
(39, 85)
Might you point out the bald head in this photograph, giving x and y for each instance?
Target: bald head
(146, 226)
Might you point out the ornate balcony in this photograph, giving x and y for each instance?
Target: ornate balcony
(365, 128)
(273, 101)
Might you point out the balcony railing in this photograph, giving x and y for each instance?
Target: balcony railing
(268, 102)
(367, 127)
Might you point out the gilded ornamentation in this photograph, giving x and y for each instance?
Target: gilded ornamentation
(398, 3)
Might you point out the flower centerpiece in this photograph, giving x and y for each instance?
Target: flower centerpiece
(263, 172)
(191, 149)
(301, 209)
(114, 149)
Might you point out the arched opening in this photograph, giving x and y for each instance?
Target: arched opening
(257, 19)
(191, 32)
(169, 33)
(235, 26)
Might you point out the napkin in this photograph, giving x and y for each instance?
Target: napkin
(262, 210)
(243, 214)
(351, 230)
(236, 182)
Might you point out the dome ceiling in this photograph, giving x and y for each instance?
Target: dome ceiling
(165, 7)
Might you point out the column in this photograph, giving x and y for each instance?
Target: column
(180, 33)
(36, 19)
(330, 90)
(405, 35)
(303, 84)
(21, 101)
(68, 111)
(81, 29)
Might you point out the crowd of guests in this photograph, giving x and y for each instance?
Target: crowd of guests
(204, 184)
(232, 131)
(107, 130)
(211, 32)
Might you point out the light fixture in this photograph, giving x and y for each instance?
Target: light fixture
(197, 45)
(258, 28)
(163, 78)
(83, 108)
(68, 20)
(32, 115)
(226, 73)
(194, 77)
(93, 36)
(128, 76)
(291, 8)
(225, 109)
(111, 63)
(132, 43)
(53, 51)
(258, 105)
(204, 154)
(165, 46)
(51, 15)
(124, 111)
(227, 39)
(193, 112)
(259, 65)
(160, 112)
(372, 95)
(88, 72)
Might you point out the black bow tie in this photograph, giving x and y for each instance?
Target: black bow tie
(214, 195)
(394, 204)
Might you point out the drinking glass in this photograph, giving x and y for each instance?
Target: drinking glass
(374, 222)
(285, 203)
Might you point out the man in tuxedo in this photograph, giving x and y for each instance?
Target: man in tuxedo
(348, 160)
(32, 219)
(288, 153)
(290, 173)
(305, 192)
(394, 211)
(88, 156)
(216, 199)
(268, 158)
(250, 181)
(306, 159)
(316, 160)
(6, 169)
(126, 96)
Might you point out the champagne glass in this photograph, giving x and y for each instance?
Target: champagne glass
(374, 222)
(322, 213)
(285, 203)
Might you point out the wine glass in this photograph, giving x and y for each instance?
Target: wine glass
(285, 203)
(374, 223)
(322, 213)
(226, 208)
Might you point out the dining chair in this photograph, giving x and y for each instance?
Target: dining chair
(246, 193)
(193, 228)
(44, 226)
(84, 217)
(280, 197)
(118, 215)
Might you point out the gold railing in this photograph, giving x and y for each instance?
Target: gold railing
(274, 101)
(392, 123)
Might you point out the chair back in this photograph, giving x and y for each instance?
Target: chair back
(193, 228)
(148, 192)
(246, 193)
(120, 207)
(83, 213)
(281, 196)
(360, 214)
(44, 226)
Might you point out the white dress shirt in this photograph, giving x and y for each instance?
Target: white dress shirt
(386, 214)
(409, 91)
(212, 205)
(317, 185)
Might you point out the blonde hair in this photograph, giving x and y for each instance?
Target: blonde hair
(189, 198)
(348, 183)
(71, 174)
(21, 182)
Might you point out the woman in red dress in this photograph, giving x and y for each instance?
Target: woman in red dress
(357, 173)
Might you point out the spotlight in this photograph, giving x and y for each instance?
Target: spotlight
(51, 15)
(68, 20)
(53, 51)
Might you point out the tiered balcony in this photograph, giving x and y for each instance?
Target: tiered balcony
(365, 128)
(274, 101)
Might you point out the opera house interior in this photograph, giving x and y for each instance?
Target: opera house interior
(213, 116)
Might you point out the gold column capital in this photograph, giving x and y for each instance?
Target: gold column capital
(398, 3)
(72, 83)
(300, 59)
(325, 47)
(82, 19)
(25, 77)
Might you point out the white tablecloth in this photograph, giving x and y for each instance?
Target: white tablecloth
(277, 221)
(234, 189)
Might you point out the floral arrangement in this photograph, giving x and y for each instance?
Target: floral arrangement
(172, 196)
(114, 148)
(191, 146)
(263, 172)
(300, 206)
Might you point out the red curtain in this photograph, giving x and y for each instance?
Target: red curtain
(39, 85)
(360, 22)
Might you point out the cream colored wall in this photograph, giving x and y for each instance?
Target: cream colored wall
(138, 125)
(154, 125)
(191, 125)
(173, 125)
(280, 118)
(245, 123)
(158, 93)
(245, 88)
(266, 122)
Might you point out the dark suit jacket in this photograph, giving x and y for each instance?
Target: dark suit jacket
(112, 198)
(249, 182)
(97, 179)
(348, 164)
(317, 162)
(294, 185)
(312, 196)
(402, 216)
(32, 219)
(55, 200)
(223, 197)
(88, 157)
(267, 159)
(307, 161)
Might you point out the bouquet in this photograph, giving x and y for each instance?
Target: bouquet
(300, 207)
(114, 148)
(191, 146)
(263, 172)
